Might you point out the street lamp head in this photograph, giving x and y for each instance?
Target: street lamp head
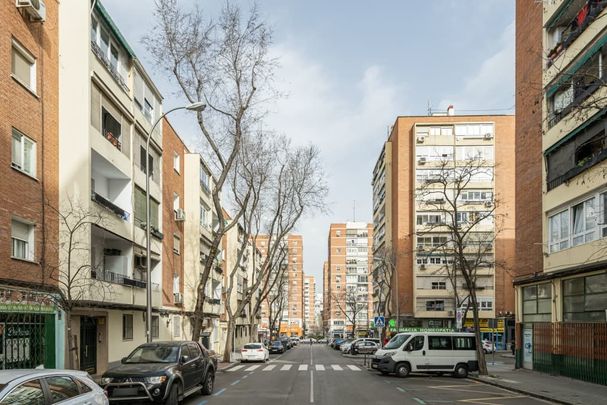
(197, 106)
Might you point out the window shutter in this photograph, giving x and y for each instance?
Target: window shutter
(21, 68)
(16, 147)
(20, 230)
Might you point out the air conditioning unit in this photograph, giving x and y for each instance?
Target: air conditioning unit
(178, 298)
(488, 203)
(422, 267)
(488, 135)
(421, 161)
(421, 139)
(179, 215)
(36, 9)
(420, 247)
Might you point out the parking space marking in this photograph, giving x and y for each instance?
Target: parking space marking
(235, 382)
(419, 401)
(286, 367)
(255, 367)
(353, 368)
(303, 367)
(218, 393)
(269, 368)
(482, 401)
(320, 367)
(235, 368)
(336, 367)
(401, 389)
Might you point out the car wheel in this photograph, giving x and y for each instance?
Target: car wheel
(461, 371)
(209, 383)
(173, 398)
(402, 370)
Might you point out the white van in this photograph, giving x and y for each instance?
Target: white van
(428, 352)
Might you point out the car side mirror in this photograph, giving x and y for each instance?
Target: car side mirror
(185, 359)
(123, 360)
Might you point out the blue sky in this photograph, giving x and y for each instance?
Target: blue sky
(350, 67)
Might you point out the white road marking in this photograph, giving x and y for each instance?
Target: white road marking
(311, 387)
(269, 368)
(303, 367)
(353, 368)
(253, 368)
(235, 368)
(286, 367)
(320, 367)
(336, 367)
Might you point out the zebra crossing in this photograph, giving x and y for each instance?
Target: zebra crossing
(294, 367)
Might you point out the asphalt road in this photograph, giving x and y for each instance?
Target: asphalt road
(320, 375)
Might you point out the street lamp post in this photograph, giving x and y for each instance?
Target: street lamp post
(198, 106)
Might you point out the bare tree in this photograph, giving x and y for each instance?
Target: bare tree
(225, 63)
(459, 232)
(78, 278)
(277, 301)
(350, 304)
(384, 281)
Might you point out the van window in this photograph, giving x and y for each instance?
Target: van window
(464, 342)
(397, 341)
(417, 343)
(440, 343)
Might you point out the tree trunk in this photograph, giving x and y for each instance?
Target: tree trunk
(71, 363)
(482, 365)
(229, 338)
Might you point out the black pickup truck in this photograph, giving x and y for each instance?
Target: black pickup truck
(161, 372)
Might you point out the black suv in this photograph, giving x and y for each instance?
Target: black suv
(161, 372)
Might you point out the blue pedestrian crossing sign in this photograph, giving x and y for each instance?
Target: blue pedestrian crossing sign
(380, 322)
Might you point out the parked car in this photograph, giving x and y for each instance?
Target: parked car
(488, 347)
(338, 343)
(161, 372)
(276, 347)
(364, 347)
(254, 352)
(286, 342)
(294, 341)
(441, 352)
(45, 387)
(348, 347)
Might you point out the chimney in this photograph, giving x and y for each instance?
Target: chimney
(450, 110)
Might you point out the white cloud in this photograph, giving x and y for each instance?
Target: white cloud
(492, 84)
(348, 125)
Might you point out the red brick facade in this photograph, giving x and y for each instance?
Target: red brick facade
(34, 114)
(528, 136)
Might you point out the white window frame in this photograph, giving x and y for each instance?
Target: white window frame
(16, 46)
(587, 234)
(562, 241)
(176, 244)
(29, 242)
(20, 165)
(177, 162)
(176, 202)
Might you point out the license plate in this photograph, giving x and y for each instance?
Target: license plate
(125, 392)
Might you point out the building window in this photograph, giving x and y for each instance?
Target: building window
(437, 305)
(537, 303)
(205, 215)
(439, 285)
(176, 244)
(204, 180)
(585, 298)
(176, 326)
(559, 231)
(176, 284)
(111, 128)
(155, 326)
(23, 66)
(23, 153)
(140, 213)
(22, 235)
(142, 161)
(127, 327)
(177, 162)
(584, 222)
(176, 204)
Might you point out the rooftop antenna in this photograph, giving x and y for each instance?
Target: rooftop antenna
(429, 107)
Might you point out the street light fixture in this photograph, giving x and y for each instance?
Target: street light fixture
(198, 107)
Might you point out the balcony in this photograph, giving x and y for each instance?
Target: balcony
(110, 187)
(109, 66)
(117, 278)
(570, 22)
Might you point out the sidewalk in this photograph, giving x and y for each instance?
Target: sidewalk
(557, 389)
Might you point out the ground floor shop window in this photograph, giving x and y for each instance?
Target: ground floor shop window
(585, 298)
(537, 303)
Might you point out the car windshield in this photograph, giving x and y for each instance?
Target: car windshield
(396, 342)
(154, 354)
(256, 346)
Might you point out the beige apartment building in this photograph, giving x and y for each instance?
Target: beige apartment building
(568, 296)
(309, 298)
(348, 281)
(408, 214)
(107, 106)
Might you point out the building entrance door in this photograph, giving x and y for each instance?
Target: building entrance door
(88, 344)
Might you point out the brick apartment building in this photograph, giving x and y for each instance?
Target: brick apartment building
(408, 222)
(28, 169)
(309, 298)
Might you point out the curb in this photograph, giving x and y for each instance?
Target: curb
(520, 391)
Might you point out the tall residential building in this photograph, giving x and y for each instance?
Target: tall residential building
(29, 113)
(348, 277)
(200, 222)
(309, 304)
(325, 298)
(409, 213)
(571, 289)
(107, 106)
(318, 319)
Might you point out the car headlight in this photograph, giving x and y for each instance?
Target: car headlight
(156, 380)
(105, 380)
(389, 354)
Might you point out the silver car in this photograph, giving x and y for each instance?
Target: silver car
(45, 387)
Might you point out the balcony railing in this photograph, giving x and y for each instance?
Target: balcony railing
(214, 301)
(557, 181)
(111, 69)
(116, 278)
(110, 205)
